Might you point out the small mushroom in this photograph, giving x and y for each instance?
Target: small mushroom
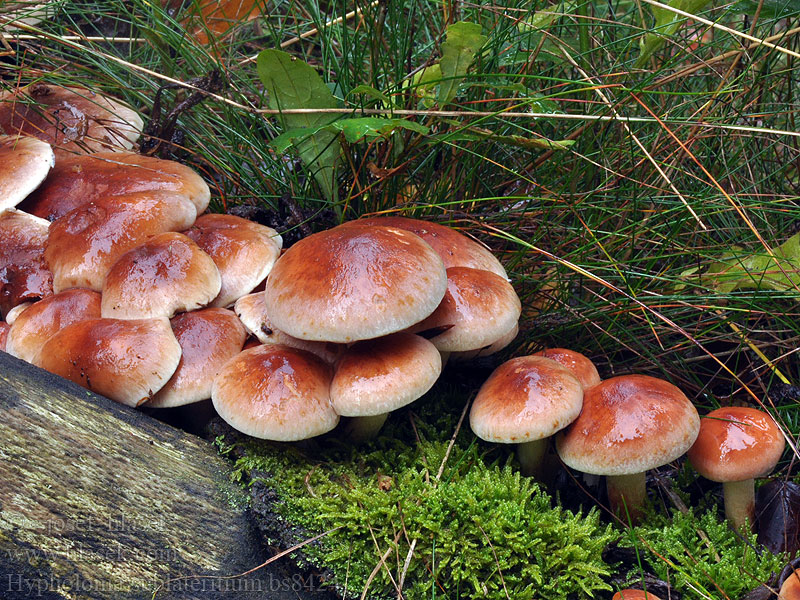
(790, 590)
(243, 251)
(24, 163)
(629, 424)
(209, 338)
(525, 401)
(632, 594)
(576, 362)
(42, 320)
(165, 275)
(374, 377)
(735, 445)
(276, 393)
(127, 361)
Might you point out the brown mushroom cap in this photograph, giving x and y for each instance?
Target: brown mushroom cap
(736, 443)
(4, 327)
(275, 392)
(23, 272)
(42, 320)
(576, 362)
(243, 251)
(127, 361)
(81, 178)
(209, 338)
(69, 119)
(84, 243)
(164, 275)
(525, 399)
(628, 425)
(24, 163)
(790, 589)
(479, 308)
(354, 283)
(456, 249)
(252, 311)
(378, 376)
(632, 594)
(493, 348)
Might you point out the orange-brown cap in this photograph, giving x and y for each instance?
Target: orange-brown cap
(456, 249)
(632, 594)
(4, 327)
(378, 376)
(629, 424)
(164, 275)
(478, 308)
(24, 163)
(23, 271)
(84, 243)
(209, 338)
(354, 283)
(243, 251)
(525, 399)
(127, 361)
(81, 178)
(42, 320)
(790, 589)
(736, 443)
(275, 392)
(493, 348)
(252, 311)
(576, 362)
(70, 119)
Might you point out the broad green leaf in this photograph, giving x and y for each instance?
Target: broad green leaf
(736, 270)
(462, 42)
(354, 130)
(667, 23)
(291, 84)
(370, 91)
(771, 9)
(371, 127)
(424, 83)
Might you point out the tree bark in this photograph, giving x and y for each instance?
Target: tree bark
(100, 501)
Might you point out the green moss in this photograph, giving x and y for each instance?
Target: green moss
(483, 531)
(702, 556)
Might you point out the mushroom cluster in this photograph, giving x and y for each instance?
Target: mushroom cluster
(117, 280)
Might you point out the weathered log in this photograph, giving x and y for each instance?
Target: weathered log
(100, 501)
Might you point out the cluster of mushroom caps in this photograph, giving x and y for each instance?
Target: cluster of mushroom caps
(622, 427)
(355, 321)
(107, 246)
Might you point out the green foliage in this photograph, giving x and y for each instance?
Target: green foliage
(667, 23)
(702, 556)
(290, 84)
(458, 51)
(482, 532)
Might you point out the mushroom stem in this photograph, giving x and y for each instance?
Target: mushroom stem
(530, 456)
(739, 502)
(627, 495)
(361, 429)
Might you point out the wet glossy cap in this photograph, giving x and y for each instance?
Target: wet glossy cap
(42, 320)
(24, 274)
(736, 443)
(525, 399)
(81, 178)
(354, 283)
(127, 361)
(209, 338)
(790, 589)
(70, 119)
(478, 309)
(164, 275)
(252, 311)
(492, 348)
(634, 595)
(629, 424)
(275, 392)
(576, 362)
(455, 248)
(24, 163)
(84, 243)
(243, 251)
(378, 376)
